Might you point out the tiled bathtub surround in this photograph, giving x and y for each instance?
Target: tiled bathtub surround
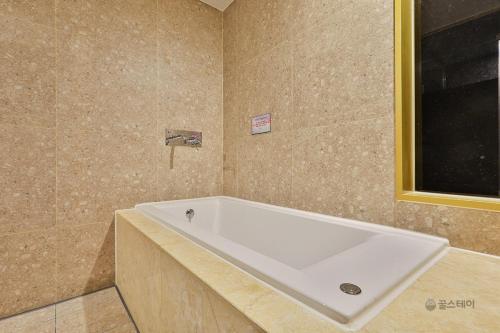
(152, 258)
(86, 90)
(324, 69)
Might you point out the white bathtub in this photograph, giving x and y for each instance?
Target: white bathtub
(307, 255)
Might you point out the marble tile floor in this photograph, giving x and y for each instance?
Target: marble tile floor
(99, 312)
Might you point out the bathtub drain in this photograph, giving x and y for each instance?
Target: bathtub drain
(350, 289)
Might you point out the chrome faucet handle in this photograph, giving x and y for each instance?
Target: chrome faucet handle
(193, 141)
(183, 138)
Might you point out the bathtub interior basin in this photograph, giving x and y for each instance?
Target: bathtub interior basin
(345, 269)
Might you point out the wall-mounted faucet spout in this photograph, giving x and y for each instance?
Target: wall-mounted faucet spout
(183, 138)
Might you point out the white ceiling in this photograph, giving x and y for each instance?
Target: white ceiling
(219, 4)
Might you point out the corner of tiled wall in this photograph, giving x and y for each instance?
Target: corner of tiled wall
(89, 88)
(324, 70)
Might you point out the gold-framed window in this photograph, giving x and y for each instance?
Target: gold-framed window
(405, 32)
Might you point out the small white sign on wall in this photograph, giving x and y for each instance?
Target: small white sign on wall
(261, 124)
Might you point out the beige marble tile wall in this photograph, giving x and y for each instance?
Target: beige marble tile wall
(86, 89)
(324, 70)
(162, 295)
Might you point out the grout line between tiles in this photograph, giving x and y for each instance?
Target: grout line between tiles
(56, 108)
(157, 106)
(126, 308)
(221, 190)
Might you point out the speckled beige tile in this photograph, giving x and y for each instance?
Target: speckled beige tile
(101, 311)
(27, 68)
(28, 271)
(265, 86)
(125, 169)
(138, 275)
(127, 89)
(230, 169)
(39, 11)
(191, 172)
(190, 39)
(185, 303)
(232, 133)
(263, 24)
(465, 228)
(85, 259)
(106, 108)
(37, 321)
(231, 37)
(203, 178)
(27, 178)
(115, 62)
(304, 15)
(76, 183)
(190, 98)
(77, 86)
(77, 17)
(345, 170)
(343, 69)
(264, 168)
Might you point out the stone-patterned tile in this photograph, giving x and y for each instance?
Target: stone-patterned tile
(343, 69)
(186, 104)
(101, 171)
(126, 68)
(232, 134)
(76, 183)
(28, 271)
(125, 168)
(231, 38)
(457, 273)
(232, 105)
(264, 168)
(229, 319)
(27, 68)
(265, 86)
(190, 39)
(230, 169)
(304, 15)
(27, 178)
(185, 300)
(138, 276)
(101, 311)
(190, 172)
(262, 25)
(77, 17)
(190, 97)
(39, 11)
(465, 228)
(116, 69)
(37, 321)
(106, 109)
(77, 85)
(85, 259)
(203, 177)
(345, 170)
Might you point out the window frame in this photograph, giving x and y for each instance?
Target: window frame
(404, 47)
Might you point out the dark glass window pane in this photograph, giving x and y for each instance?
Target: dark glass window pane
(457, 97)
